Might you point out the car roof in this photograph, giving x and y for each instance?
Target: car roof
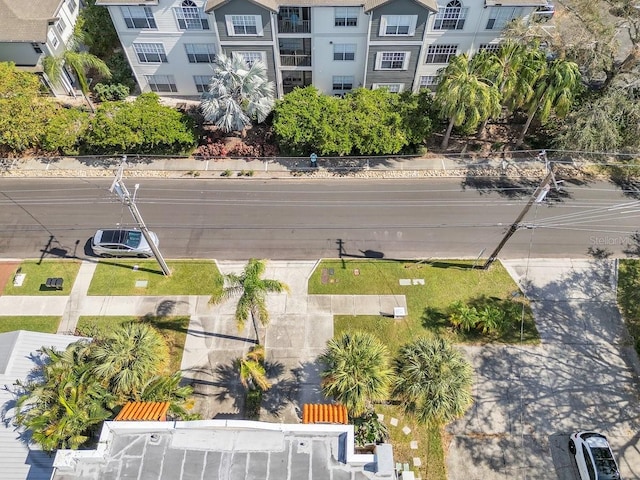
(113, 236)
(597, 441)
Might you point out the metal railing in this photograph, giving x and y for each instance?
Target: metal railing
(295, 60)
(288, 26)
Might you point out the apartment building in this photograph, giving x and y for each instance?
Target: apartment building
(32, 29)
(335, 45)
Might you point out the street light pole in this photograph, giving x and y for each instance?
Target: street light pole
(537, 197)
(120, 189)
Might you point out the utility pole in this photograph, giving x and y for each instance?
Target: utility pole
(537, 197)
(120, 189)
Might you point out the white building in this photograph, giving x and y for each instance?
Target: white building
(336, 45)
(32, 29)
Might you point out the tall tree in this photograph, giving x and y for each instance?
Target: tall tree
(433, 380)
(358, 371)
(464, 96)
(252, 371)
(252, 290)
(555, 92)
(237, 94)
(129, 357)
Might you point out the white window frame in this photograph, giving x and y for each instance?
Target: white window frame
(451, 17)
(152, 81)
(390, 22)
(244, 21)
(344, 52)
(192, 17)
(500, 16)
(146, 50)
(198, 78)
(72, 6)
(392, 87)
(437, 50)
(428, 81)
(194, 50)
(61, 26)
(344, 81)
(346, 16)
(251, 57)
(143, 13)
(489, 47)
(53, 38)
(380, 59)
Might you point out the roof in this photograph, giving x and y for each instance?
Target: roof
(26, 20)
(223, 449)
(273, 5)
(323, 413)
(126, 2)
(151, 411)
(516, 3)
(18, 358)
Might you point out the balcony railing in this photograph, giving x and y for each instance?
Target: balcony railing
(290, 26)
(295, 60)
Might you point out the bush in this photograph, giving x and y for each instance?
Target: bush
(254, 401)
(226, 173)
(64, 131)
(110, 93)
(369, 429)
(213, 148)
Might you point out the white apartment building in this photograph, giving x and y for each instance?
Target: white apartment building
(335, 45)
(32, 29)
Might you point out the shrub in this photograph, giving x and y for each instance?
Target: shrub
(226, 173)
(254, 400)
(369, 429)
(249, 173)
(110, 93)
(243, 150)
(64, 131)
(213, 148)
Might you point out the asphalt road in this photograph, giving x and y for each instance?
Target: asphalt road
(301, 219)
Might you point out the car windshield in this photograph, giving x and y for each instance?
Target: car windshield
(605, 464)
(133, 239)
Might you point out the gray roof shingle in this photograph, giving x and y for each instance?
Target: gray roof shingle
(26, 20)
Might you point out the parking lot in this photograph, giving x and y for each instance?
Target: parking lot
(529, 399)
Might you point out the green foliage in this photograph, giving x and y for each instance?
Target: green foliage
(78, 388)
(369, 429)
(357, 371)
(417, 113)
(488, 315)
(253, 403)
(253, 374)
(433, 381)
(64, 131)
(98, 32)
(629, 296)
(462, 316)
(110, 92)
(120, 70)
(143, 126)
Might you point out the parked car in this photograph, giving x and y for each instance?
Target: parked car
(122, 243)
(594, 456)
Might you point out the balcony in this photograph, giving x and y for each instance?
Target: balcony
(295, 60)
(294, 20)
(295, 52)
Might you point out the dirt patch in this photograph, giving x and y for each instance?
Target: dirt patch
(7, 269)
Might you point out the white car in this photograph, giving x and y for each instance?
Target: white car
(122, 243)
(594, 456)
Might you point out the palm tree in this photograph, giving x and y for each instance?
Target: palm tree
(237, 93)
(252, 289)
(129, 357)
(433, 380)
(464, 96)
(358, 371)
(555, 91)
(168, 388)
(79, 61)
(252, 372)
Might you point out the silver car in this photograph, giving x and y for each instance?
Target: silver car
(593, 456)
(122, 243)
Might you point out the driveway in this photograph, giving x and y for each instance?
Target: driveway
(528, 399)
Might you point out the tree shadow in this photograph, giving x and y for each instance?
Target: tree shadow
(435, 320)
(227, 379)
(632, 248)
(598, 252)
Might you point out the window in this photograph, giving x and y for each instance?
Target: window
(451, 17)
(202, 82)
(346, 16)
(150, 52)
(244, 25)
(200, 52)
(392, 60)
(392, 87)
(190, 17)
(53, 38)
(161, 83)
(37, 47)
(441, 53)
(500, 16)
(398, 25)
(429, 81)
(60, 25)
(588, 463)
(342, 82)
(138, 17)
(344, 51)
(489, 47)
(72, 5)
(251, 57)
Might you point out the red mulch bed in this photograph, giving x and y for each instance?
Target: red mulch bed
(7, 269)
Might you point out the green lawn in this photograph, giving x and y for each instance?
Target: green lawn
(174, 330)
(32, 324)
(37, 273)
(445, 283)
(629, 297)
(118, 277)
